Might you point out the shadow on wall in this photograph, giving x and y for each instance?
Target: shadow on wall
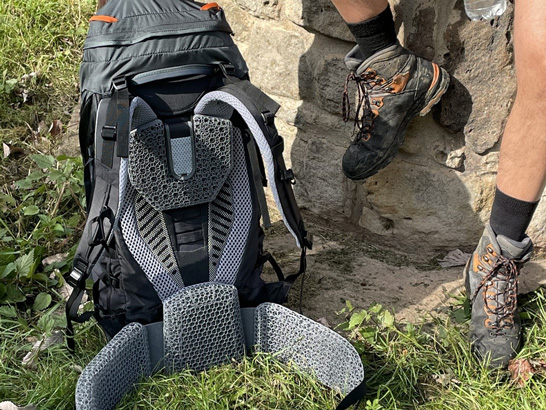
(421, 201)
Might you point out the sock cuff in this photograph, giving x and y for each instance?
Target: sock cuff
(511, 216)
(375, 25)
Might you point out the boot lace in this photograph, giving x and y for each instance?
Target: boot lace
(363, 116)
(507, 271)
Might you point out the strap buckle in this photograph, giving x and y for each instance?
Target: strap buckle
(78, 275)
(119, 83)
(288, 175)
(109, 132)
(268, 117)
(99, 235)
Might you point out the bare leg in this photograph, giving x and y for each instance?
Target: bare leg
(522, 166)
(355, 11)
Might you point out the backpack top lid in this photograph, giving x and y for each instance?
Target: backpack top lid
(130, 37)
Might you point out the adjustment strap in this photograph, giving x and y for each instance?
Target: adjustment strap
(121, 96)
(258, 181)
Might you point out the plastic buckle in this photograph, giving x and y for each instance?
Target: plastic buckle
(99, 236)
(268, 117)
(77, 276)
(120, 83)
(288, 175)
(109, 132)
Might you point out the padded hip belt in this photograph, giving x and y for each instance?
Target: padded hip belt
(203, 327)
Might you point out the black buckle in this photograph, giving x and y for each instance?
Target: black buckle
(268, 117)
(78, 275)
(288, 175)
(109, 132)
(119, 83)
(98, 235)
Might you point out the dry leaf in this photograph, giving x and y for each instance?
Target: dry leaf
(42, 127)
(454, 258)
(323, 321)
(520, 371)
(8, 405)
(54, 258)
(7, 149)
(56, 128)
(56, 338)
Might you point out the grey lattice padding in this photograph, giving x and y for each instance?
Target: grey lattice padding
(115, 370)
(230, 217)
(148, 165)
(182, 156)
(202, 327)
(312, 347)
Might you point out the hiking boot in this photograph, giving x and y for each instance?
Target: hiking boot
(393, 86)
(491, 279)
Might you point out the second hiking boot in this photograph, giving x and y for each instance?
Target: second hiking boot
(491, 279)
(393, 86)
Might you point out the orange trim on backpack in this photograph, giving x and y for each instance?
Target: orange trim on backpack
(209, 6)
(105, 19)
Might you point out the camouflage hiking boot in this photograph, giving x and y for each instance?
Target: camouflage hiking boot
(491, 279)
(393, 86)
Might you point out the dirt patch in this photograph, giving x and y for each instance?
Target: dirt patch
(342, 266)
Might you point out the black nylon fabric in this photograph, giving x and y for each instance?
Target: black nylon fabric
(151, 35)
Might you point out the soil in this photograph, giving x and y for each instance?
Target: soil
(345, 266)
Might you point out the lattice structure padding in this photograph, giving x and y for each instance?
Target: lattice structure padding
(148, 164)
(115, 370)
(312, 347)
(239, 212)
(202, 327)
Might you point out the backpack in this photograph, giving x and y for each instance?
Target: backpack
(177, 146)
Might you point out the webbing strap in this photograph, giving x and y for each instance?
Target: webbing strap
(258, 183)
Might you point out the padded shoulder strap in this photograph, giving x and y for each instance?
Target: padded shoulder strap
(258, 112)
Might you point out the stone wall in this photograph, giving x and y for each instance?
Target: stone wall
(437, 193)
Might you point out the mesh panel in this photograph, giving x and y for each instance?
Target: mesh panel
(220, 223)
(114, 371)
(182, 156)
(219, 100)
(202, 327)
(153, 230)
(242, 210)
(313, 347)
(148, 166)
(165, 283)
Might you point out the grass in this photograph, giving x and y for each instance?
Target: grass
(426, 366)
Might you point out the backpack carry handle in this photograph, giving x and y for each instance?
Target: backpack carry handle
(173, 73)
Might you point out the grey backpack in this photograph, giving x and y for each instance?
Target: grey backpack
(174, 138)
(178, 146)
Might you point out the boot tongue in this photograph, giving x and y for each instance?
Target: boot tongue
(386, 63)
(520, 251)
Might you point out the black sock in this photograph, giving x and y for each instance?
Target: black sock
(510, 217)
(375, 34)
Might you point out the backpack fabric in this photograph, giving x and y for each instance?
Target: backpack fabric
(178, 146)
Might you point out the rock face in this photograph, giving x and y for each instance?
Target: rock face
(437, 193)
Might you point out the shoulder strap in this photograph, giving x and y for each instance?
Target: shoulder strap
(98, 231)
(258, 111)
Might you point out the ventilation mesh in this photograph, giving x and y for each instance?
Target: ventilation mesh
(220, 223)
(314, 348)
(242, 210)
(153, 230)
(214, 101)
(115, 370)
(148, 167)
(182, 156)
(202, 327)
